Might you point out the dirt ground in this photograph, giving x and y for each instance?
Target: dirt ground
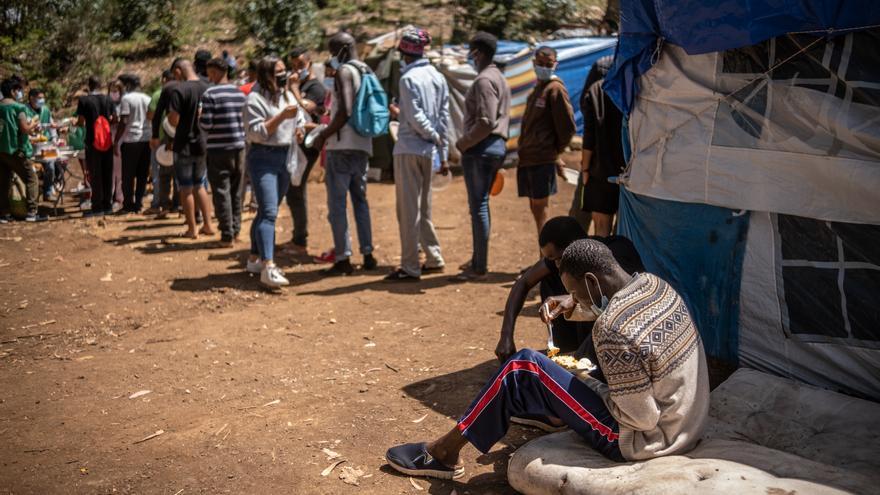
(253, 391)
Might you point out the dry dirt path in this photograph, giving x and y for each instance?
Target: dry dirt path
(248, 387)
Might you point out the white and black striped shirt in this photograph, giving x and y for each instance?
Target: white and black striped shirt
(221, 117)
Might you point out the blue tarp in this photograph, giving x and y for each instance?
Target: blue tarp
(698, 249)
(703, 26)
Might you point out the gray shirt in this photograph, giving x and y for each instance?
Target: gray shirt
(347, 138)
(486, 108)
(259, 108)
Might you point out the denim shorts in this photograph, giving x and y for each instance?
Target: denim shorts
(189, 170)
(536, 181)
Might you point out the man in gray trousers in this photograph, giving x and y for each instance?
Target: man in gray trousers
(421, 147)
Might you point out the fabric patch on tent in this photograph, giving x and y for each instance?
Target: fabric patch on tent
(698, 249)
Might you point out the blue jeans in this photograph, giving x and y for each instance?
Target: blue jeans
(479, 173)
(347, 174)
(267, 166)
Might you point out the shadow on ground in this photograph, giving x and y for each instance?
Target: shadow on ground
(419, 287)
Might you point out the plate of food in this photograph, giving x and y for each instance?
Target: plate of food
(571, 363)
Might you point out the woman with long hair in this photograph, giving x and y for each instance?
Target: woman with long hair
(273, 123)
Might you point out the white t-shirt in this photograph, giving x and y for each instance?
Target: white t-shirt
(134, 107)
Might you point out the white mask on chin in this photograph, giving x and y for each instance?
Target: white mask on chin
(603, 301)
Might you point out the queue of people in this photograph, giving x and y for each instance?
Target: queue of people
(200, 132)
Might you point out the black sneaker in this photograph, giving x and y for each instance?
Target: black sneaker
(5, 219)
(339, 268)
(33, 217)
(370, 262)
(401, 276)
(413, 459)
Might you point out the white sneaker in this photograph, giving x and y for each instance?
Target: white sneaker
(255, 267)
(272, 276)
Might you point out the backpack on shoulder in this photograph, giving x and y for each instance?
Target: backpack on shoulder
(103, 141)
(369, 115)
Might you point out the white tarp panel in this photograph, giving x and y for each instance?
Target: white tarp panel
(723, 129)
(766, 341)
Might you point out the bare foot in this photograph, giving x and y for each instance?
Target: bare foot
(189, 235)
(208, 232)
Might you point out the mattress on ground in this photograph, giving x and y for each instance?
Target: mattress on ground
(766, 435)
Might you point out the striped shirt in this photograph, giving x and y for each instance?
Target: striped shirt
(221, 117)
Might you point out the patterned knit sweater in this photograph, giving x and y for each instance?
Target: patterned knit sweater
(652, 356)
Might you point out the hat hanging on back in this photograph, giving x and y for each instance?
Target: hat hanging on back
(413, 42)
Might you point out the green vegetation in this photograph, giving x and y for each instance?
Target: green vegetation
(279, 25)
(513, 19)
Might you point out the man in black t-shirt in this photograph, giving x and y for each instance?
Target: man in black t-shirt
(555, 236)
(190, 167)
(98, 163)
(304, 80)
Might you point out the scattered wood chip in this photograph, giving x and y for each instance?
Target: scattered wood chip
(330, 454)
(221, 429)
(85, 358)
(150, 436)
(272, 403)
(415, 485)
(419, 420)
(139, 393)
(329, 469)
(392, 368)
(372, 370)
(107, 278)
(351, 476)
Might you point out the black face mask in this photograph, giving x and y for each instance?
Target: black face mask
(281, 80)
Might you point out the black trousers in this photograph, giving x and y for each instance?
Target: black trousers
(297, 201)
(100, 165)
(135, 169)
(226, 175)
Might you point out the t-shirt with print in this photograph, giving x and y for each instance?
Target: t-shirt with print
(134, 107)
(90, 108)
(11, 137)
(185, 97)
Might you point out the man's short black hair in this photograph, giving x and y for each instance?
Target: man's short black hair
(546, 50)
(485, 43)
(201, 58)
(296, 52)
(35, 92)
(561, 231)
(94, 83)
(130, 82)
(587, 256)
(177, 62)
(7, 88)
(167, 75)
(218, 63)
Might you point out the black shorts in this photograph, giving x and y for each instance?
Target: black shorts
(536, 181)
(600, 196)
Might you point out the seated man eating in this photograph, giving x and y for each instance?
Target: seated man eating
(657, 397)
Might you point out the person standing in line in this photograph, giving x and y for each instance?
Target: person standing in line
(90, 109)
(37, 108)
(134, 134)
(14, 130)
(312, 91)
(421, 142)
(602, 155)
(348, 159)
(114, 91)
(221, 124)
(483, 145)
(189, 152)
(547, 128)
(273, 120)
(162, 177)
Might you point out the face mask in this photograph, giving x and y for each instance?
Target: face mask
(603, 301)
(40, 103)
(472, 63)
(19, 95)
(543, 73)
(303, 74)
(334, 62)
(329, 83)
(281, 80)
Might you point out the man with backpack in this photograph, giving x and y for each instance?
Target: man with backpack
(356, 115)
(95, 111)
(547, 128)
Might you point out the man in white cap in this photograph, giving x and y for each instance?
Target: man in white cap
(422, 146)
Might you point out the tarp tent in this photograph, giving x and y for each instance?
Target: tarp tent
(753, 183)
(575, 57)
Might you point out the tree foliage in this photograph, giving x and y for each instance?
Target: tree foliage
(512, 19)
(279, 25)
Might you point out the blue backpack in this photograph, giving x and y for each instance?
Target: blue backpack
(370, 115)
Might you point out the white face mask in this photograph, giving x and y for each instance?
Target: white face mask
(603, 301)
(19, 95)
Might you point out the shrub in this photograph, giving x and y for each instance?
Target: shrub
(279, 25)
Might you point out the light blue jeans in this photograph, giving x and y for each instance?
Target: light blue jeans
(267, 166)
(347, 174)
(479, 173)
